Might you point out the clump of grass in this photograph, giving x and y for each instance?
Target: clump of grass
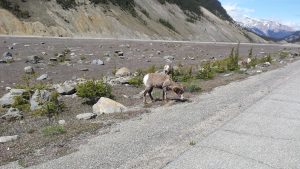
(283, 55)
(233, 60)
(136, 81)
(206, 72)
(151, 69)
(183, 74)
(21, 103)
(53, 130)
(193, 88)
(93, 90)
(192, 143)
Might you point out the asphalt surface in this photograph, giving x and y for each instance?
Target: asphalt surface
(252, 123)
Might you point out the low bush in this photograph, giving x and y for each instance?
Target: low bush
(206, 72)
(136, 81)
(193, 88)
(21, 103)
(93, 90)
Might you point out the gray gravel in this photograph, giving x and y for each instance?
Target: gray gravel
(248, 124)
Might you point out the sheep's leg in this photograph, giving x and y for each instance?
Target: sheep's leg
(145, 93)
(165, 93)
(150, 93)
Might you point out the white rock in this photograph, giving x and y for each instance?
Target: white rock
(42, 77)
(5, 139)
(123, 72)
(107, 106)
(29, 69)
(86, 116)
(61, 122)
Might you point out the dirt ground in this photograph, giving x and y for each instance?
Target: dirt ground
(33, 147)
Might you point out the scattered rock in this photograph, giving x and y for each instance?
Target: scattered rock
(266, 64)
(42, 77)
(107, 106)
(8, 99)
(123, 72)
(169, 57)
(62, 122)
(86, 116)
(38, 99)
(34, 59)
(12, 114)
(97, 62)
(29, 70)
(7, 57)
(10, 47)
(117, 80)
(67, 88)
(5, 139)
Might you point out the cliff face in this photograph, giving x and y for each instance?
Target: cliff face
(149, 20)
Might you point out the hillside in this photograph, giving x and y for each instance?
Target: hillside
(200, 20)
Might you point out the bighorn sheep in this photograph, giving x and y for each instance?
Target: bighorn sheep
(161, 81)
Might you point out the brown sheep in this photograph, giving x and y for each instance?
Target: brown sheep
(161, 81)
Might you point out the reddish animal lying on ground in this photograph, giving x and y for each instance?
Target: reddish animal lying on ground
(161, 81)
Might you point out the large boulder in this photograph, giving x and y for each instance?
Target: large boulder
(123, 72)
(8, 99)
(12, 114)
(38, 99)
(117, 80)
(107, 106)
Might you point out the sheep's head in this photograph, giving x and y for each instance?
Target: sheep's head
(179, 90)
(167, 69)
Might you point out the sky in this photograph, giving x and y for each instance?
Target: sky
(284, 11)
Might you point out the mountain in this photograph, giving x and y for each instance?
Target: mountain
(295, 37)
(266, 28)
(201, 20)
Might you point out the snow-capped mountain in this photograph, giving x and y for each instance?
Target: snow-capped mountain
(267, 28)
(295, 37)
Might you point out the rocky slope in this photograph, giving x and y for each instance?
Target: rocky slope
(155, 19)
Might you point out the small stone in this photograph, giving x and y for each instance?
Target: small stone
(86, 116)
(62, 122)
(169, 57)
(29, 70)
(123, 72)
(12, 114)
(53, 59)
(42, 77)
(97, 62)
(34, 59)
(5, 139)
(266, 64)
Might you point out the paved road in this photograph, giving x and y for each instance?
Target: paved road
(253, 123)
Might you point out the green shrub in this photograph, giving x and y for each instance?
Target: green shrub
(53, 130)
(206, 72)
(21, 103)
(283, 54)
(136, 81)
(233, 60)
(93, 90)
(151, 69)
(183, 74)
(220, 66)
(193, 88)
